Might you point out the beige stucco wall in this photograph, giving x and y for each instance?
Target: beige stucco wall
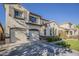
(55, 26)
(65, 26)
(12, 22)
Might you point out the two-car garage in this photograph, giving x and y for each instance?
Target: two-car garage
(19, 34)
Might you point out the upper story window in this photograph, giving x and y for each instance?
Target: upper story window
(18, 14)
(32, 19)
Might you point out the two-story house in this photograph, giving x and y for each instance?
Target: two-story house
(25, 26)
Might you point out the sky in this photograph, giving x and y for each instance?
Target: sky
(61, 13)
(2, 14)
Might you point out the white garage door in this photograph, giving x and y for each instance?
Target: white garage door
(34, 35)
(20, 35)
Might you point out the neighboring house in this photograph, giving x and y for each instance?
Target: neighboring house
(25, 26)
(2, 39)
(49, 29)
(69, 30)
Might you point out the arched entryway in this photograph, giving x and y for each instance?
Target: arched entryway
(2, 38)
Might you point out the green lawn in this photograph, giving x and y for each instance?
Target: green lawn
(74, 44)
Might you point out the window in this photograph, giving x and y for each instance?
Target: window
(50, 31)
(53, 31)
(17, 14)
(32, 19)
(44, 31)
(70, 32)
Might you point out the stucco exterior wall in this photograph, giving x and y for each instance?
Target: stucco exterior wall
(55, 26)
(12, 22)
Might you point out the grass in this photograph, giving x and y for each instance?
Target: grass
(74, 44)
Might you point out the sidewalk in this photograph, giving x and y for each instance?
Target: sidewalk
(10, 46)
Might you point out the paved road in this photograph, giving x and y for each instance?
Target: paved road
(39, 49)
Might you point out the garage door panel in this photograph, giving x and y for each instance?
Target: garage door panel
(20, 35)
(34, 35)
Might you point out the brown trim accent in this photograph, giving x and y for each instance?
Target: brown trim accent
(19, 18)
(18, 28)
(34, 24)
(45, 19)
(35, 14)
(33, 30)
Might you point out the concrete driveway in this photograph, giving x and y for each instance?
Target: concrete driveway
(38, 48)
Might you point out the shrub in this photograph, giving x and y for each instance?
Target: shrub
(54, 38)
(49, 40)
(64, 44)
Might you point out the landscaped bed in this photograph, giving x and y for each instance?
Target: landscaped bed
(57, 39)
(68, 43)
(63, 44)
(53, 39)
(74, 44)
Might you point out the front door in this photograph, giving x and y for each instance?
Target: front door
(34, 35)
